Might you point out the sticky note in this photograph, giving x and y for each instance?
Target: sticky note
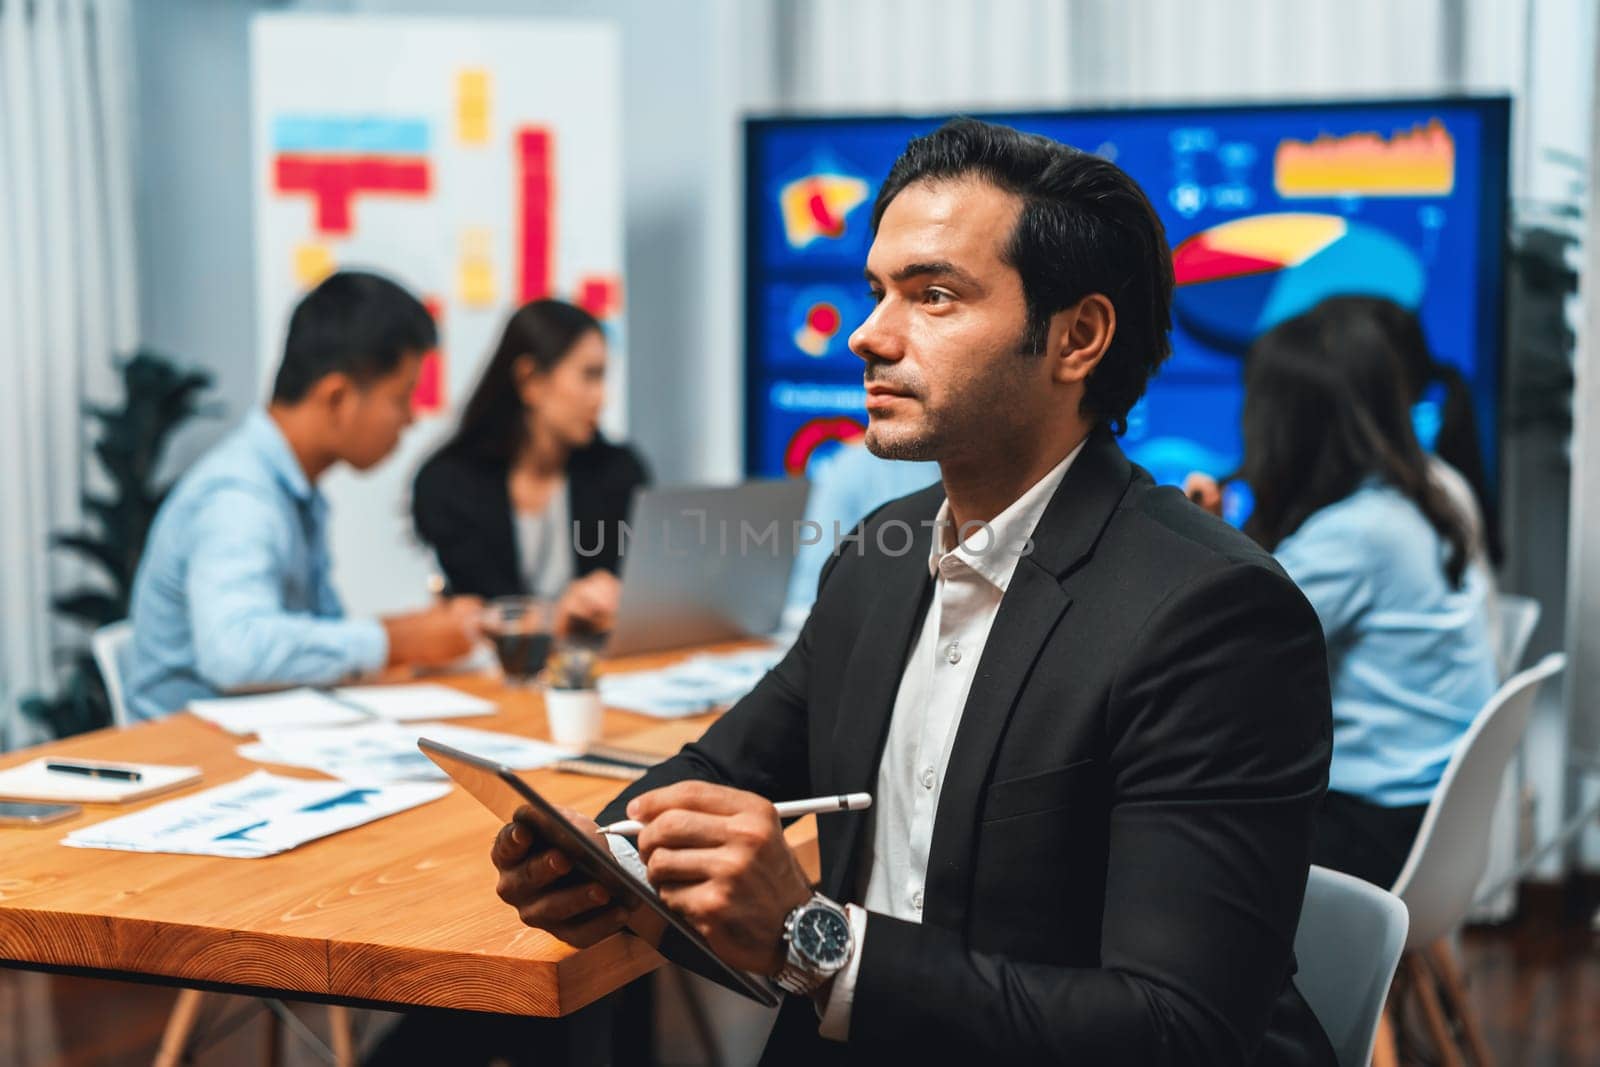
(472, 106)
(312, 263)
(475, 272)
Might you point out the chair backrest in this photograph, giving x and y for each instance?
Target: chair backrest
(1519, 615)
(1447, 861)
(108, 644)
(1348, 943)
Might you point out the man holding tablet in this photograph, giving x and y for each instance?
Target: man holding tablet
(1094, 720)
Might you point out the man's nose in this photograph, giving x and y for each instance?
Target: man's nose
(877, 340)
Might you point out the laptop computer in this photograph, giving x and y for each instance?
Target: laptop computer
(701, 565)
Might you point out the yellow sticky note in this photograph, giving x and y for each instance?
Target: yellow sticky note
(312, 263)
(472, 106)
(475, 273)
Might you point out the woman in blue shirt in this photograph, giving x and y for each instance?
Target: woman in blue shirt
(1346, 500)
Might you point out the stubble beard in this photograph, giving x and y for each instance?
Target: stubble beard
(968, 419)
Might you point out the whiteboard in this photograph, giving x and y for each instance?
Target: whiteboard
(475, 161)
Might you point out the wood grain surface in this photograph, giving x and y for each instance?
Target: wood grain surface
(400, 911)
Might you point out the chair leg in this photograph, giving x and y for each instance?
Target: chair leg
(180, 1024)
(1443, 1039)
(1384, 1052)
(343, 1036)
(1442, 960)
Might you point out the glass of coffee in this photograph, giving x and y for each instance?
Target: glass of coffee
(522, 630)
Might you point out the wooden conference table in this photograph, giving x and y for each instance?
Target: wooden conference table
(401, 911)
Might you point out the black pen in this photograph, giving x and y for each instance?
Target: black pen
(91, 771)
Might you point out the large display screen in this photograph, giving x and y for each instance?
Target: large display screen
(1268, 209)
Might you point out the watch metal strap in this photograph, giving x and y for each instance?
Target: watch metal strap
(796, 976)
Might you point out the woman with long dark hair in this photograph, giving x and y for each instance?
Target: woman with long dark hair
(1349, 503)
(1454, 430)
(527, 496)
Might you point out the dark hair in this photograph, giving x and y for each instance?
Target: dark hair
(354, 323)
(494, 423)
(1457, 441)
(1325, 408)
(1404, 332)
(1085, 227)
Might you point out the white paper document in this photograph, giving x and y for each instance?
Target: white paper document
(306, 707)
(383, 752)
(407, 703)
(692, 687)
(259, 815)
(244, 715)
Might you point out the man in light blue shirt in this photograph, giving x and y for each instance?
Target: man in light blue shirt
(233, 589)
(846, 487)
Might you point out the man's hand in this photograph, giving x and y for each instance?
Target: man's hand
(439, 635)
(1204, 490)
(538, 881)
(589, 605)
(717, 855)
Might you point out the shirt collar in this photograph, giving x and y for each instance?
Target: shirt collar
(268, 442)
(994, 550)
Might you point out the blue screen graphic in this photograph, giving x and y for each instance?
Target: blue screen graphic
(1268, 210)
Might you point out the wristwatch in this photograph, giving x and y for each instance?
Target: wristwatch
(818, 942)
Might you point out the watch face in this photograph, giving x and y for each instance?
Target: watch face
(823, 935)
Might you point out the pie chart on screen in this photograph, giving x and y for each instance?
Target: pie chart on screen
(1241, 278)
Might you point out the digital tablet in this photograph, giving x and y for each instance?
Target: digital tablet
(499, 789)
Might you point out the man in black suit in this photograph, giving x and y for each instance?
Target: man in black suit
(1095, 720)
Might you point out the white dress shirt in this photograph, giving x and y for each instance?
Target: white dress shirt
(969, 581)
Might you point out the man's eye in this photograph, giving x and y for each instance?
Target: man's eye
(875, 295)
(936, 296)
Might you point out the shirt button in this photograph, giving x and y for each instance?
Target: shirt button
(916, 900)
(952, 654)
(928, 778)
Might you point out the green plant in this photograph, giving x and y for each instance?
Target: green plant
(1542, 278)
(158, 397)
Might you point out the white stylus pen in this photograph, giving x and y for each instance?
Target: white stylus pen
(788, 809)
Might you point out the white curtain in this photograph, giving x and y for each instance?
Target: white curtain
(67, 299)
(944, 55)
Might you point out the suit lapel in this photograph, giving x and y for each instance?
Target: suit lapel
(1029, 614)
(869, 686)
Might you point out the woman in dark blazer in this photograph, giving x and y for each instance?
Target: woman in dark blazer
(527, 497)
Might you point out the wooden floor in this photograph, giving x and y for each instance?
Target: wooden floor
(1536, 984)
(78, 1022)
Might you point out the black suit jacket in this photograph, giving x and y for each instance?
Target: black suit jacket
(461, 506)
(1122, 838)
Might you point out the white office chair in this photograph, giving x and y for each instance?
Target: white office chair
(108, 644)
(1519, 616)
(1348, 942)
(1441, 875)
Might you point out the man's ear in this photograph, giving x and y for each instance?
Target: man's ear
(331, 394)
(1080, 336)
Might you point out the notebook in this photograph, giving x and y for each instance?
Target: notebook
(32, 781)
